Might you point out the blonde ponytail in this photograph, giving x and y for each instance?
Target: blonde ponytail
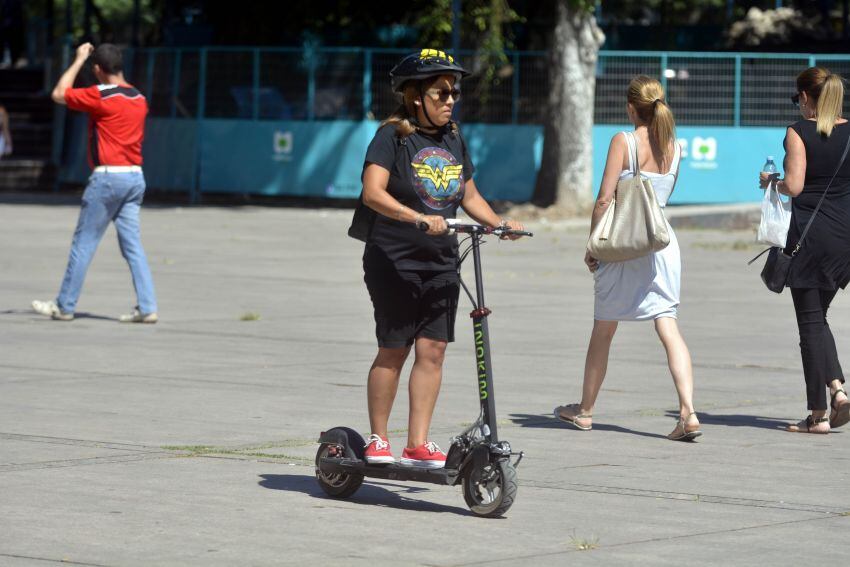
(662, 128)
(826, 89)
(646, 95)
(830, 102)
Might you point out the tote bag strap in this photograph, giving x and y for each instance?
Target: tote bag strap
(828, 185)
(634, 164)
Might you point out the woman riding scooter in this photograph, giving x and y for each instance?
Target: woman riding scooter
(416, 174)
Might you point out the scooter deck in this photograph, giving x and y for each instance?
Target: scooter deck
(390, 471)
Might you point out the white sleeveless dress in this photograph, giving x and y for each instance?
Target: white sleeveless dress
(644, 288)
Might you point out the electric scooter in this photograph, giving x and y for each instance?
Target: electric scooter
(477, 459)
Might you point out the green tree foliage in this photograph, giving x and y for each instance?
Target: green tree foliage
(111, 20)
(485, 28)
(579, 5)
(669, 11)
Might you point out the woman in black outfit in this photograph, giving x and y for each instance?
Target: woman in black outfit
(813, 150)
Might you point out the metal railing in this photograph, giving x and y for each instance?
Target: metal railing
(718, 89)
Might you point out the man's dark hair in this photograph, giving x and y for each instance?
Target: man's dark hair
(108, 57)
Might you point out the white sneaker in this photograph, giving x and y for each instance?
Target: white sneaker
(138, 317)
(50, 309)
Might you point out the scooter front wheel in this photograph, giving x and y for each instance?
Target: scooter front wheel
(338, 485)
(490, 491)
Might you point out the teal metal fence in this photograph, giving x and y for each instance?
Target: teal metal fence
(719, 89)
(295, 122)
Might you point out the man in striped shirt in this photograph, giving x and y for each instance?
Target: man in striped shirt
(116, 187)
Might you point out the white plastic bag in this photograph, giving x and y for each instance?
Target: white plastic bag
(775, 218)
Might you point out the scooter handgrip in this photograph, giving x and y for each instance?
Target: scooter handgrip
(423, 226)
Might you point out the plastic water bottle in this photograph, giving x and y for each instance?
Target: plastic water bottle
(769, 166)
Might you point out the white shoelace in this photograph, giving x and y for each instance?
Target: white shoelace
(380, 444)
(432, 447)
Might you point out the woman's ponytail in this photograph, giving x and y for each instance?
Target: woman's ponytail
(646, 95)
(662, 128)
(400, 119)
(826, 89)
(829, 104)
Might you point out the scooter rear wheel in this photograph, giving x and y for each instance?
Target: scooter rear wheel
(490, 491)
(338, 485)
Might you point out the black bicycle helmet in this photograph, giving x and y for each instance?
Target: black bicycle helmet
(422, 65)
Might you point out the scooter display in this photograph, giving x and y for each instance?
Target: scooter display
(477, 459)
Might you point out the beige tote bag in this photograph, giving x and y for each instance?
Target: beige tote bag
(633, 225)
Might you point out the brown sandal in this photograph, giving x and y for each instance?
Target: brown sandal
(684, 432)
(808, 424)
(575, 417)
(840, 413)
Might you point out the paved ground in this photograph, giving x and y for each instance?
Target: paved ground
(190, 442)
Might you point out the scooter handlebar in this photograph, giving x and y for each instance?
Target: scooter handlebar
(455, 226)
(475, 228)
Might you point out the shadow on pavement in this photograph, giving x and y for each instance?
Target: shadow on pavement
(371, 493)
(77, 315)
(549, 422)
(739, 420)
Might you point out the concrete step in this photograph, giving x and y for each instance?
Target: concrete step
(26, 107)
(26, 175)
(31, 140)
(22, 80)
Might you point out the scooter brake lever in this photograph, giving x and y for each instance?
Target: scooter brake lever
(521, 455)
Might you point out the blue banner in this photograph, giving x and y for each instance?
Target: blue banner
(719, 164)
(169, 153)
(325, 159)
(319, 159)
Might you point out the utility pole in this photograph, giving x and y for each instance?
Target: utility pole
(456, 12)
(87, 20)
(137, 11)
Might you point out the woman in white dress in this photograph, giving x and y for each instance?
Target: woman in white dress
(645, 288)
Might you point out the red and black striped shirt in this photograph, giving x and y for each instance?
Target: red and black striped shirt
(116, 122)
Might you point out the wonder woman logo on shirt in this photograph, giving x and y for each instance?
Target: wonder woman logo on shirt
(437, 177)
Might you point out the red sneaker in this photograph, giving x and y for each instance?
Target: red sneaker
(378, 451)
(427, 455)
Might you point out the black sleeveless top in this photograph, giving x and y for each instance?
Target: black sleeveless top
(823, 262)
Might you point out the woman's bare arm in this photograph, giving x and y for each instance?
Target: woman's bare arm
(795, 165)
(377, 198)
(613, 167)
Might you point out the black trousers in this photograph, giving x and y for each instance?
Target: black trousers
(817, 346)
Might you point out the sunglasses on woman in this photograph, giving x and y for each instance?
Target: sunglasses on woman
(443, 94)
(795, 100)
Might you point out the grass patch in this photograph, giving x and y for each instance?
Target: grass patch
(189, 448)
(584, 544)
(250, 316)
(651, 412)
(736, 245)
(253, 451)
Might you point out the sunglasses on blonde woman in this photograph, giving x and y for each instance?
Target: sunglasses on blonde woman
(444, 94)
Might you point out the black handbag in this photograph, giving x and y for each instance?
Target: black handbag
(364, 217)
(362, 222)
(778, 265)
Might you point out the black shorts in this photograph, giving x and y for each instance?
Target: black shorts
(410, 304)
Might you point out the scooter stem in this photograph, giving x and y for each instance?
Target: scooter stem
(481, 335)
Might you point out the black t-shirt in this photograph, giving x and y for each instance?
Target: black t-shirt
(428, 173)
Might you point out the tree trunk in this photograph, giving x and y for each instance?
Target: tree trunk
(566, 170)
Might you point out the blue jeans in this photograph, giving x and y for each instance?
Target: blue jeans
(108, 197)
